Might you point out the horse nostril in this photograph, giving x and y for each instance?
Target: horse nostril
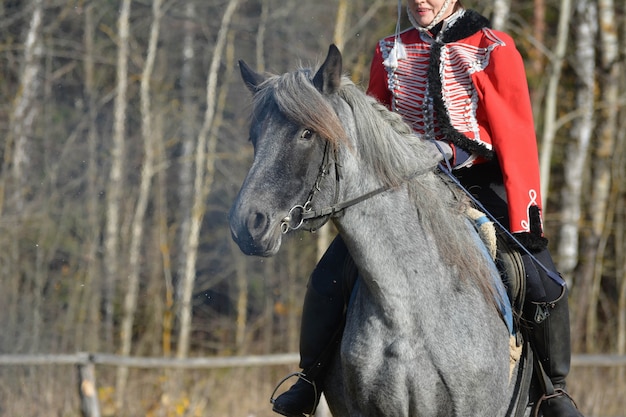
(257, 221)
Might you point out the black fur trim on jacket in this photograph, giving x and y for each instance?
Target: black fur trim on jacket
(533, 240)
(466, 25)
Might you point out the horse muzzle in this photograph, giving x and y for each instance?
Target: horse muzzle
(255, 232)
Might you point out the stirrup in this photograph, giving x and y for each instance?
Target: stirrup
(301, 376)
(558, 392)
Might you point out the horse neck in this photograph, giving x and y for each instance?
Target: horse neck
(388, 230)
(383, 234)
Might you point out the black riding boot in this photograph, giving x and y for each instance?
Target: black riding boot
(321, 329)
(550, 340)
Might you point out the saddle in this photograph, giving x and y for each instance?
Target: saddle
(511, 267)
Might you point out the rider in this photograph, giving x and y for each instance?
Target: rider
(463, 84)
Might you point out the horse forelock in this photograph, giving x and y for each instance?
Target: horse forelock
(299, 101)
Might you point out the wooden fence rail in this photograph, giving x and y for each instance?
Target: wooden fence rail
(86, 363)
(583, 360)
(151, 362)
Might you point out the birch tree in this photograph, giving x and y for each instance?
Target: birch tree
(91, 298)
(26, 108)
(186, 160)
(14, 172)
(618, 172)
(260, 36)
(620, 235)
(15, 156)
(241, 277)
(539, 30)
(137, 232)
(620, 239)
(501, 10)
(204, 165)
(601, 222)
(554, 77)
(116, 174)
(581, 132)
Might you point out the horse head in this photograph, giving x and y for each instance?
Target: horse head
(293, 142)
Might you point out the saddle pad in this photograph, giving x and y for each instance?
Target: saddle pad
(487, 233)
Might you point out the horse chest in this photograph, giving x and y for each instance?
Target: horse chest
(412, 365)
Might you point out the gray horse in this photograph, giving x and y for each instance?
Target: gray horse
(423, 335)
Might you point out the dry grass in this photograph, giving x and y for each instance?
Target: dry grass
(599, 392)
(51, 391)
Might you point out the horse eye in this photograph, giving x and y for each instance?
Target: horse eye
(306, 134)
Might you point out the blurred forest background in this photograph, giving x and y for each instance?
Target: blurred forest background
(124, 141)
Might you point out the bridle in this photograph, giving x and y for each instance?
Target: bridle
(299, 213)
(294, 220)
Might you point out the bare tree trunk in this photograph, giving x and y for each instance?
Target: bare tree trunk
(242, 301)
(116, 176)
(620, 239)
(204, 163)
(615, 230)
(601, 181)
(501, 10)
(241, 276)
(340, 24)
(13, 175)
(599, 204)
(91, 297)
(89, 403)
(620, 225)
(260, 36)
(293, 302)
(170, 388)
(549, 123)
(620, 234)
(185, 175)
(147, 172)
(26, 108)
(185, 171)
(539, 30)
(582, 129)
(164, 243)
(25, 113)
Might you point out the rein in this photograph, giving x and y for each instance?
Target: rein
(447, 169)
(301, 212)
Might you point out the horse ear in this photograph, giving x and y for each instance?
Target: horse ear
(328, 77)
(251, 78)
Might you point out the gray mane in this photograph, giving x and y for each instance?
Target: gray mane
(301, 103)
(386, 143)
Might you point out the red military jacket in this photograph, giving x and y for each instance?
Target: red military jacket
(467, 87)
